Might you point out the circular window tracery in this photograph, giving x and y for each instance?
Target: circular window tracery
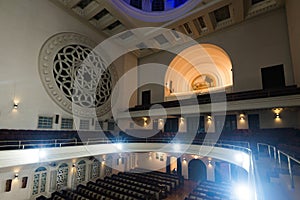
(77, 65)
(76, 77)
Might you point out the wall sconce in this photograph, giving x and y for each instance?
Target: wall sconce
(181, 120)
(242, 117)
(277, 116)
(15, 106)
(74, 165)
(209, 118)
(209, 163)
(161, 121)
(145, 121)
(16, 176)
(277, 112)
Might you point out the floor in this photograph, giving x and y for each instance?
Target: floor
(182, 192)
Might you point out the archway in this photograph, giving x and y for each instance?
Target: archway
(197, 170)
(198, 69)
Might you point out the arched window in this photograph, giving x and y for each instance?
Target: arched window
(62, 176)
(108, 166)
(39, 181)
(80, 172)
(95, 169)
(136, 3)
(158, 5)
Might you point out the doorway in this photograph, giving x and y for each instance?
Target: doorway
(197, 170)
(146, 97)
(273, 77)
(253, 121)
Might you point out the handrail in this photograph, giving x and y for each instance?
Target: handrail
(240, 146)
(278, 154)
(24, 144)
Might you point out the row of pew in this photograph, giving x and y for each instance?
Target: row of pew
(137, 184)
(209, 190)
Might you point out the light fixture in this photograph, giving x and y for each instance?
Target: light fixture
(209, 118)
(181, 120)
(176, 147)
(277, 112)
(119, 146)
(161, 122)
(15, 105)
(145, 121)
(209, 163)
(42, 154)
(16, 176)
(239, 158)
(242, 117)
(241, 191)
(74, 165)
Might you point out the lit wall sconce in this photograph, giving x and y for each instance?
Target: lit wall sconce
(15, 106)
(242, 117)
(277, 116)
(209, 163)
(277, 112)
(145, 121)
(16, 176)
(181, 120)
(74, 165)
(209, 118)
(160, 121)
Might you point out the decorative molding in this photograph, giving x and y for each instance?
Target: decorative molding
(68, 67)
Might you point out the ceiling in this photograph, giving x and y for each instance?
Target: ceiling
(195, 18)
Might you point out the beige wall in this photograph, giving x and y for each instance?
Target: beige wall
(256, 43)
(25, 26)
(293, 16)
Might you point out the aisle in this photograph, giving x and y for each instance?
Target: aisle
(183, 192)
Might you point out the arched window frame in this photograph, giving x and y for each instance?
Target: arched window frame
(62, 170)
(39, 181)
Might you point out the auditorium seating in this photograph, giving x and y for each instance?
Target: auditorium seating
(138, 184)
(207, 190)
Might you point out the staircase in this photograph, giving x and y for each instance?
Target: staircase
(273, 181)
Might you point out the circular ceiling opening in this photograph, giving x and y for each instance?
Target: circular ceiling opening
(156, 10)
(155, 5)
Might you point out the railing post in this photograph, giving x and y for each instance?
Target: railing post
(269, 151)
(274, 153)
(258, 150)
(291, 172)
(279, 158)
(55, 142)
(20, 144)
(75, 141)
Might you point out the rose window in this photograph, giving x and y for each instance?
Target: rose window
(81, 75)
